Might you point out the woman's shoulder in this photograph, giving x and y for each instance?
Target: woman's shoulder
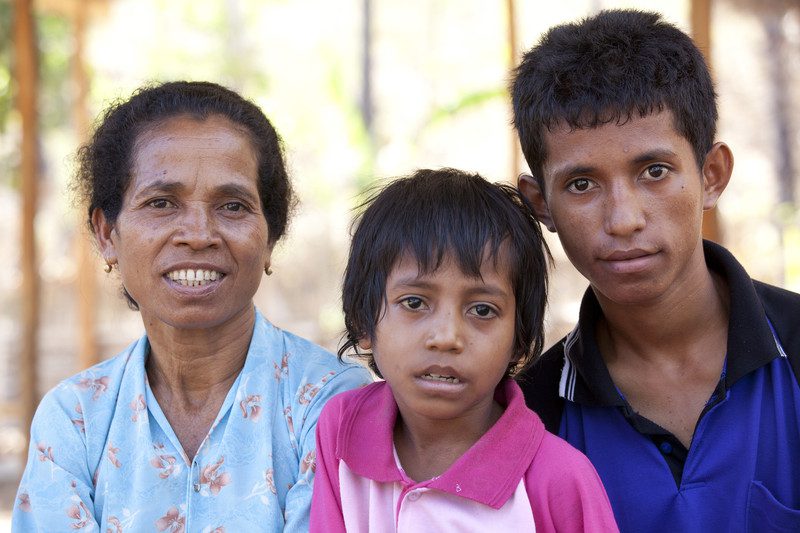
(102, 378)
(292, 356)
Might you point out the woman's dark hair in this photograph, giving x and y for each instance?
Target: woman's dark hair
(611, 67)
(105, 163)
(435, 214)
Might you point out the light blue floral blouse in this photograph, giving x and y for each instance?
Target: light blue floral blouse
(103, 456)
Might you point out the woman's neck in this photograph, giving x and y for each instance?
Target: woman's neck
(190, 366)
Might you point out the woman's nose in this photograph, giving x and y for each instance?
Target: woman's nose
(196, 228)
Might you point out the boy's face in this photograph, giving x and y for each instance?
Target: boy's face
(445, 339)
(627, 203)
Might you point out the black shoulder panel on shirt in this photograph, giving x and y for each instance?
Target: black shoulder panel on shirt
(783, 309)
(539, 384)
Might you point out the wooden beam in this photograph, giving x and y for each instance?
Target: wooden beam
(513, 53)
(701, 33)
(88, 350)
(26, 74)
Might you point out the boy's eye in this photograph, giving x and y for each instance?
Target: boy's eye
(160, 203)
(580, 185)
(412, 302)
(483, 311)
(657, 172)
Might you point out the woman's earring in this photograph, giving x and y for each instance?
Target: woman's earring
(267, 270)
(108, 268)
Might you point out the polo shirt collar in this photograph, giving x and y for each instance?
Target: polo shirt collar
(585, 378)
(488, 473)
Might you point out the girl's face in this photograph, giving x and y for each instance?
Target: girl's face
(445, 339)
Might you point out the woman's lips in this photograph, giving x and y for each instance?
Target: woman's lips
(194, 277)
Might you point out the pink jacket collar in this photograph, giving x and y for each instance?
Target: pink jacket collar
(488, 472)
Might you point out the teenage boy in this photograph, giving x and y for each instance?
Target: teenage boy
(680, 379)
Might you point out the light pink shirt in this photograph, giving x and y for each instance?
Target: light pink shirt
(516, 477)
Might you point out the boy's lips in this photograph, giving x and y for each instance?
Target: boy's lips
(626, 255)
(629, 261)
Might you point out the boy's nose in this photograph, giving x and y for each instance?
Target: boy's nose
(446, 334)
(623, 210)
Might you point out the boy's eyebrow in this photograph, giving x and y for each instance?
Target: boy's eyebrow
(650, 155)
(654, 155)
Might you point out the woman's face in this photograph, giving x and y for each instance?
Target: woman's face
(191, 240)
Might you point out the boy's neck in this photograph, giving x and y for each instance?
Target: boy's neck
(668, 328)
(427, 448)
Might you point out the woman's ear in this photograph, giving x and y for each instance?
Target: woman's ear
(717, 170)
(103, 232)
(531, 189)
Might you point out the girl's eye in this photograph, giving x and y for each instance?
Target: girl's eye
(657, 172)
(412, 302)
(483, 311)
(580, 185)
(160, 203)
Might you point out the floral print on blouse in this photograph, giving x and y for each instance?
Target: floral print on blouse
(104, 458)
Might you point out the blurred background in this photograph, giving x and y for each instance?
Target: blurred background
(360, 90)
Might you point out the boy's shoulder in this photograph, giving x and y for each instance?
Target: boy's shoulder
(540, 385)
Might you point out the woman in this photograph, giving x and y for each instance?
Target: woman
(207, 422)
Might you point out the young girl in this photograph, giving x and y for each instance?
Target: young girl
(444, 294)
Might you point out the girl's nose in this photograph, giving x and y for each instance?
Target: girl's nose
(446, 334)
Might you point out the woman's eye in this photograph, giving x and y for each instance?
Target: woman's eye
(412, 302)
(233, 206)
(657, 172)
(160, 203)
(483, 311)
(580, 185)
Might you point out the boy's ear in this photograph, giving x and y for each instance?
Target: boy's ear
(531, 189)
(717, 170)
(103, 230)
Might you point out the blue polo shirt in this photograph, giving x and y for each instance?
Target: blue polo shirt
(742, 470)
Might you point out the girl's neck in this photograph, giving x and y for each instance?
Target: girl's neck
(427, 448)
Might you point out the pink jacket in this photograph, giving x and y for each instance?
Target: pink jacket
(355, 446)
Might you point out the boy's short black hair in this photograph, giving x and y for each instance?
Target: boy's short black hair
(611, 67)
(435, 214)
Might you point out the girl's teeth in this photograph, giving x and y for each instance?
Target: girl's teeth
(437, 377)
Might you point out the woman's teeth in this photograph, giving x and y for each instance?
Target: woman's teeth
(194, 278)
(437, 377)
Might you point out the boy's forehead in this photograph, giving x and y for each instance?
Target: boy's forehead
(570, 148)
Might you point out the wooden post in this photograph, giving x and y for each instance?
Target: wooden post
(701, 33)
(26, 66)
(514, 150)
(88, 353)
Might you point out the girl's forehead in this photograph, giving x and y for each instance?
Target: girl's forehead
(472, 266)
